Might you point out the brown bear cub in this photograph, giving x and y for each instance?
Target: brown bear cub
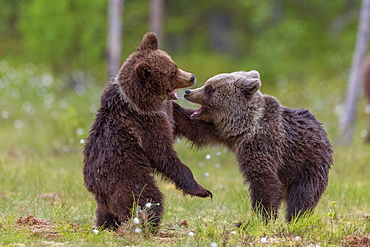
(284, 154)
(132, 138)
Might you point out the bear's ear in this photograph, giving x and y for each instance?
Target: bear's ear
(248, 86)
(143, 71)
(149, 42)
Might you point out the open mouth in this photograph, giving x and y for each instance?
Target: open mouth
(174, 95)
(197, 113)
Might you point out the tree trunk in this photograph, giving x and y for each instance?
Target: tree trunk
(347, 120)
(115, 9)
(156, 18)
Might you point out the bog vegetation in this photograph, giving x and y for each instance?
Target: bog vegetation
(50, 84)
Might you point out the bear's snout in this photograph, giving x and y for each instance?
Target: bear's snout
(192, 79)
(193, 96)
(184, 79)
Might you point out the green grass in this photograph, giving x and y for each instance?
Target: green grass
(42, 123)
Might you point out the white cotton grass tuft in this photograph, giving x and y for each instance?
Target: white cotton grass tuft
(264, 240)
(191, 234)
(95, 231)
(80, 131)
(138, 230)
(138, 210)
(93, 108)
(15, 93)
(213, 244)
(339, 109)
(18, 124)
(297, 238)
(208, 157)
(149, 205)
(136, 220)
(5, 114)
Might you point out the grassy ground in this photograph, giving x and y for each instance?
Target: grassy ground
(43, 201)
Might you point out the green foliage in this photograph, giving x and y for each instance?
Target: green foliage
(64, 34)
(294, 38)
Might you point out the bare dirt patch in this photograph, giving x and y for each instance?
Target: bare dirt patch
(37, 226)
(356, 241)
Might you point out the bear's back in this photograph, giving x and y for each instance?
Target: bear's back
(120, 130)
(306, 142)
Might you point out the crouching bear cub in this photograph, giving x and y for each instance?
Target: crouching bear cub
(132, 136)
(284, 154)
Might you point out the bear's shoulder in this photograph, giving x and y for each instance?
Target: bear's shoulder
(272, 107)
(111, 97)
(298, 114)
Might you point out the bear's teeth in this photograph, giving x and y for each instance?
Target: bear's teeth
(197, 113)
(174, 95)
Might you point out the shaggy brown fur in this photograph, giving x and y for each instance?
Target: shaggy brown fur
(284, 154)
(366, 86)
(132, 136)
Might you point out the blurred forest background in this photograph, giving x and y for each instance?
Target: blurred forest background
(53, 54)
(294, 38)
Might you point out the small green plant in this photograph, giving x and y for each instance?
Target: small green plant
(333, 213)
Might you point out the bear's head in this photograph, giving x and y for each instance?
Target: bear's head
(149, 76)
(226, 98)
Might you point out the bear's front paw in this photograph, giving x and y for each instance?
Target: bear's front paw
(200, 192)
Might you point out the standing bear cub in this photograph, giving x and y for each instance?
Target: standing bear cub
(284, 154)
(132, 136)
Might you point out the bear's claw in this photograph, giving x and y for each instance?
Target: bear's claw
(201, 192)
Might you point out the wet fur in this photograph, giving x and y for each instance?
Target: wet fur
(131, 139)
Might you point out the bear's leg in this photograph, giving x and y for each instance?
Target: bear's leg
(104, 218)
(265, 189)
(170, 166)
(140, 190)
(266, 199)
(151, 203)
(197, 131)
(120, 206)
(304, 194)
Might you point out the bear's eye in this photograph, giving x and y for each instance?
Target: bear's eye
(208, 89)
(173, 75)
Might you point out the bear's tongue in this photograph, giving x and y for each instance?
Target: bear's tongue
(174, 95)
(197, 113)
